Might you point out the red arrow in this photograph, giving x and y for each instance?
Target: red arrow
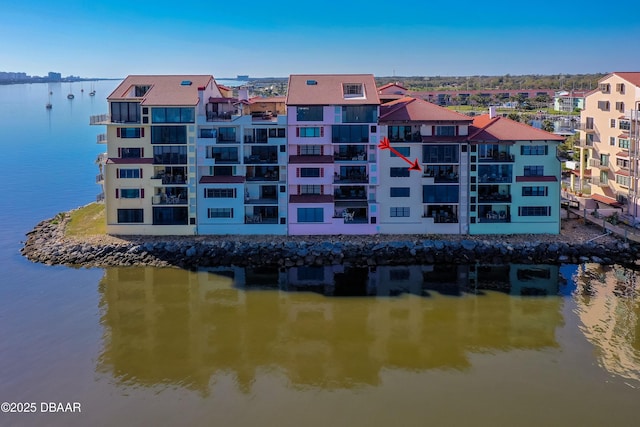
(385, 145)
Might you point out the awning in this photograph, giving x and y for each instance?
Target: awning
(606, 200)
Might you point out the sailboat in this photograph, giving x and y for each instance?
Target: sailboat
(48, 106)
(70, 96)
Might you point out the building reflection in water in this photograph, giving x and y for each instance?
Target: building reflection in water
(170, 327)
(608, 305)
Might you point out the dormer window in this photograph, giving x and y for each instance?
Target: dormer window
(353, 90)
(140, 91)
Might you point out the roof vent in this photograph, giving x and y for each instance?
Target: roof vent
(311, 82)
(185, 83)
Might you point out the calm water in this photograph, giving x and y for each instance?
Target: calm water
(231, 347)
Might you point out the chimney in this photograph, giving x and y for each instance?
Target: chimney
(243, 93)
(492, 112)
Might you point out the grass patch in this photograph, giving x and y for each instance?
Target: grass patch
(87, 221)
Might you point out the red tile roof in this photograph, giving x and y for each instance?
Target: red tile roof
(222, 179)
(631, 77)
(622, 154)
(504, 129)
(310, 198)
(164, 90)
(328, 89)
(388, 85)
(604, 199)
(622, 172)
(276, 99)
(409, 109)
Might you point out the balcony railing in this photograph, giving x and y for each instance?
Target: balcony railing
(99, 178)
(162, 199)
(100, 119)
(102, 158)
(351, 178)
(101, 138)
(217, 117)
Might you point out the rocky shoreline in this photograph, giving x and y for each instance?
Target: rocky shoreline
(47, 244)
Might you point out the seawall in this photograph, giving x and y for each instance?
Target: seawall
(47, 244)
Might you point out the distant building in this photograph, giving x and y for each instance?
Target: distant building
(55, 77)
(569, 101)
(242, 77)
(609, 138)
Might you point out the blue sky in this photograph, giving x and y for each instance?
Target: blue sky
(278, 38)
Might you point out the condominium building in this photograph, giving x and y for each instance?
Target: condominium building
(184, 157)
(608, 141)
(434, 199)
(332, 143)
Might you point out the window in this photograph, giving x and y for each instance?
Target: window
(604, 87)
(126, 216)
(440, 194)
(170, 216)
(131, 153)
(623, 143)
(129, 173)
(227, 134)
(223, 170)
(400, 133)
(168, 134)
(625, 181)
(172, 115)
(349, 133)
(620, 87)
(309, 172)
(129, 132)
(397, 212)
(130, 193)
(603, 105)
(208, 133)
(125, 112)
(400, 192)
(310, 150)
(534, 150)
(359, 114)
(440, 153)
(534, 211)
(622, 163)
(620, 107)
(534, 171)
(352, 90)
(612, 123)
(276, 133)
(589, 123)
(310, 132)
(220, 213)
(604, 177)
(165, 155)
(445, 131)
(612, 141)
(604, 159)
(311, 113)
(310, 189)
(405, 151)
(310, 214)
(219, 193)
(399, 172)
(624, 124)
(535, 191)
(223, 154)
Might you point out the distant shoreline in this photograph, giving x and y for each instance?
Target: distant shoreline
(48, 244)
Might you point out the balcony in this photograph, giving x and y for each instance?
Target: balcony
(101, 138)
(494, 214)
(220, 116)
(102, 158)
(347, 192)
(100, 119)
(99, 178)
(262, 173)
(501, 156)
(165, 199)
(442, 173)
(351, 174)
